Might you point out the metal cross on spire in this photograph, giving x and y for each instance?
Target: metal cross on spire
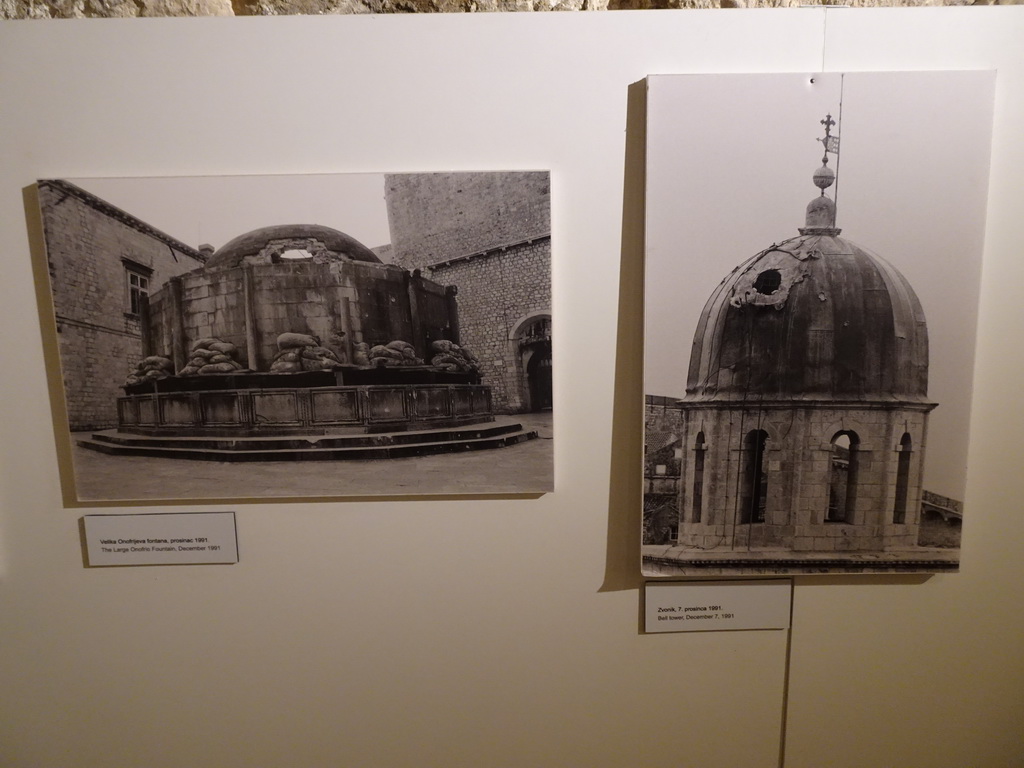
(830, 142)
(824, 177)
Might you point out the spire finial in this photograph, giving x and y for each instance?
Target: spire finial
(821, 213)
(824, 177)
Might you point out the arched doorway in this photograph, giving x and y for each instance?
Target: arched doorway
(539, 378)
(531, 337)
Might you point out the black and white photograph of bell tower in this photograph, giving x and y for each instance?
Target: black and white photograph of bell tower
(813, 261)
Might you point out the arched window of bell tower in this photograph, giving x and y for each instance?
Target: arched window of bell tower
(697, 497)
(899, 510)
(842, 479)
(754, 477)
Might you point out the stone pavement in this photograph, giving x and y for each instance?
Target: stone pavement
(525, 468)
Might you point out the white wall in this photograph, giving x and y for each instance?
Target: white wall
(498, 632)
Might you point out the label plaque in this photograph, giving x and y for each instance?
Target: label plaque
(715, 605)
(187, 538)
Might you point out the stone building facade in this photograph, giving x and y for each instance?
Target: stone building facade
(490, 235)
(662, 469)
(776, 478)
(103, 263)
(437, 217)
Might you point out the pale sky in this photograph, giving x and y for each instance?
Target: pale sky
(215, 209)
(729, 166)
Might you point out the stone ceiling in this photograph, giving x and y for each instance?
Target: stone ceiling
(45, 9)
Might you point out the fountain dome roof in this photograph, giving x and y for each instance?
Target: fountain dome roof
(267, 244)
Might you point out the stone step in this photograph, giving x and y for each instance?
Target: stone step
(352, 453)
(300, 442)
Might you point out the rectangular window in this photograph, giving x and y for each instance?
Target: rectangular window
(136, 286)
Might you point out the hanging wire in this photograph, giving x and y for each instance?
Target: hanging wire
(839, 149)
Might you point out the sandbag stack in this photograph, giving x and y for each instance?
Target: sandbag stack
(449, 356)
(211, 356)
(152, 368)
(301, 352)
(393, 354)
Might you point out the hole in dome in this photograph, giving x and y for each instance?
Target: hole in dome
(296, 254)
(768, 282)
